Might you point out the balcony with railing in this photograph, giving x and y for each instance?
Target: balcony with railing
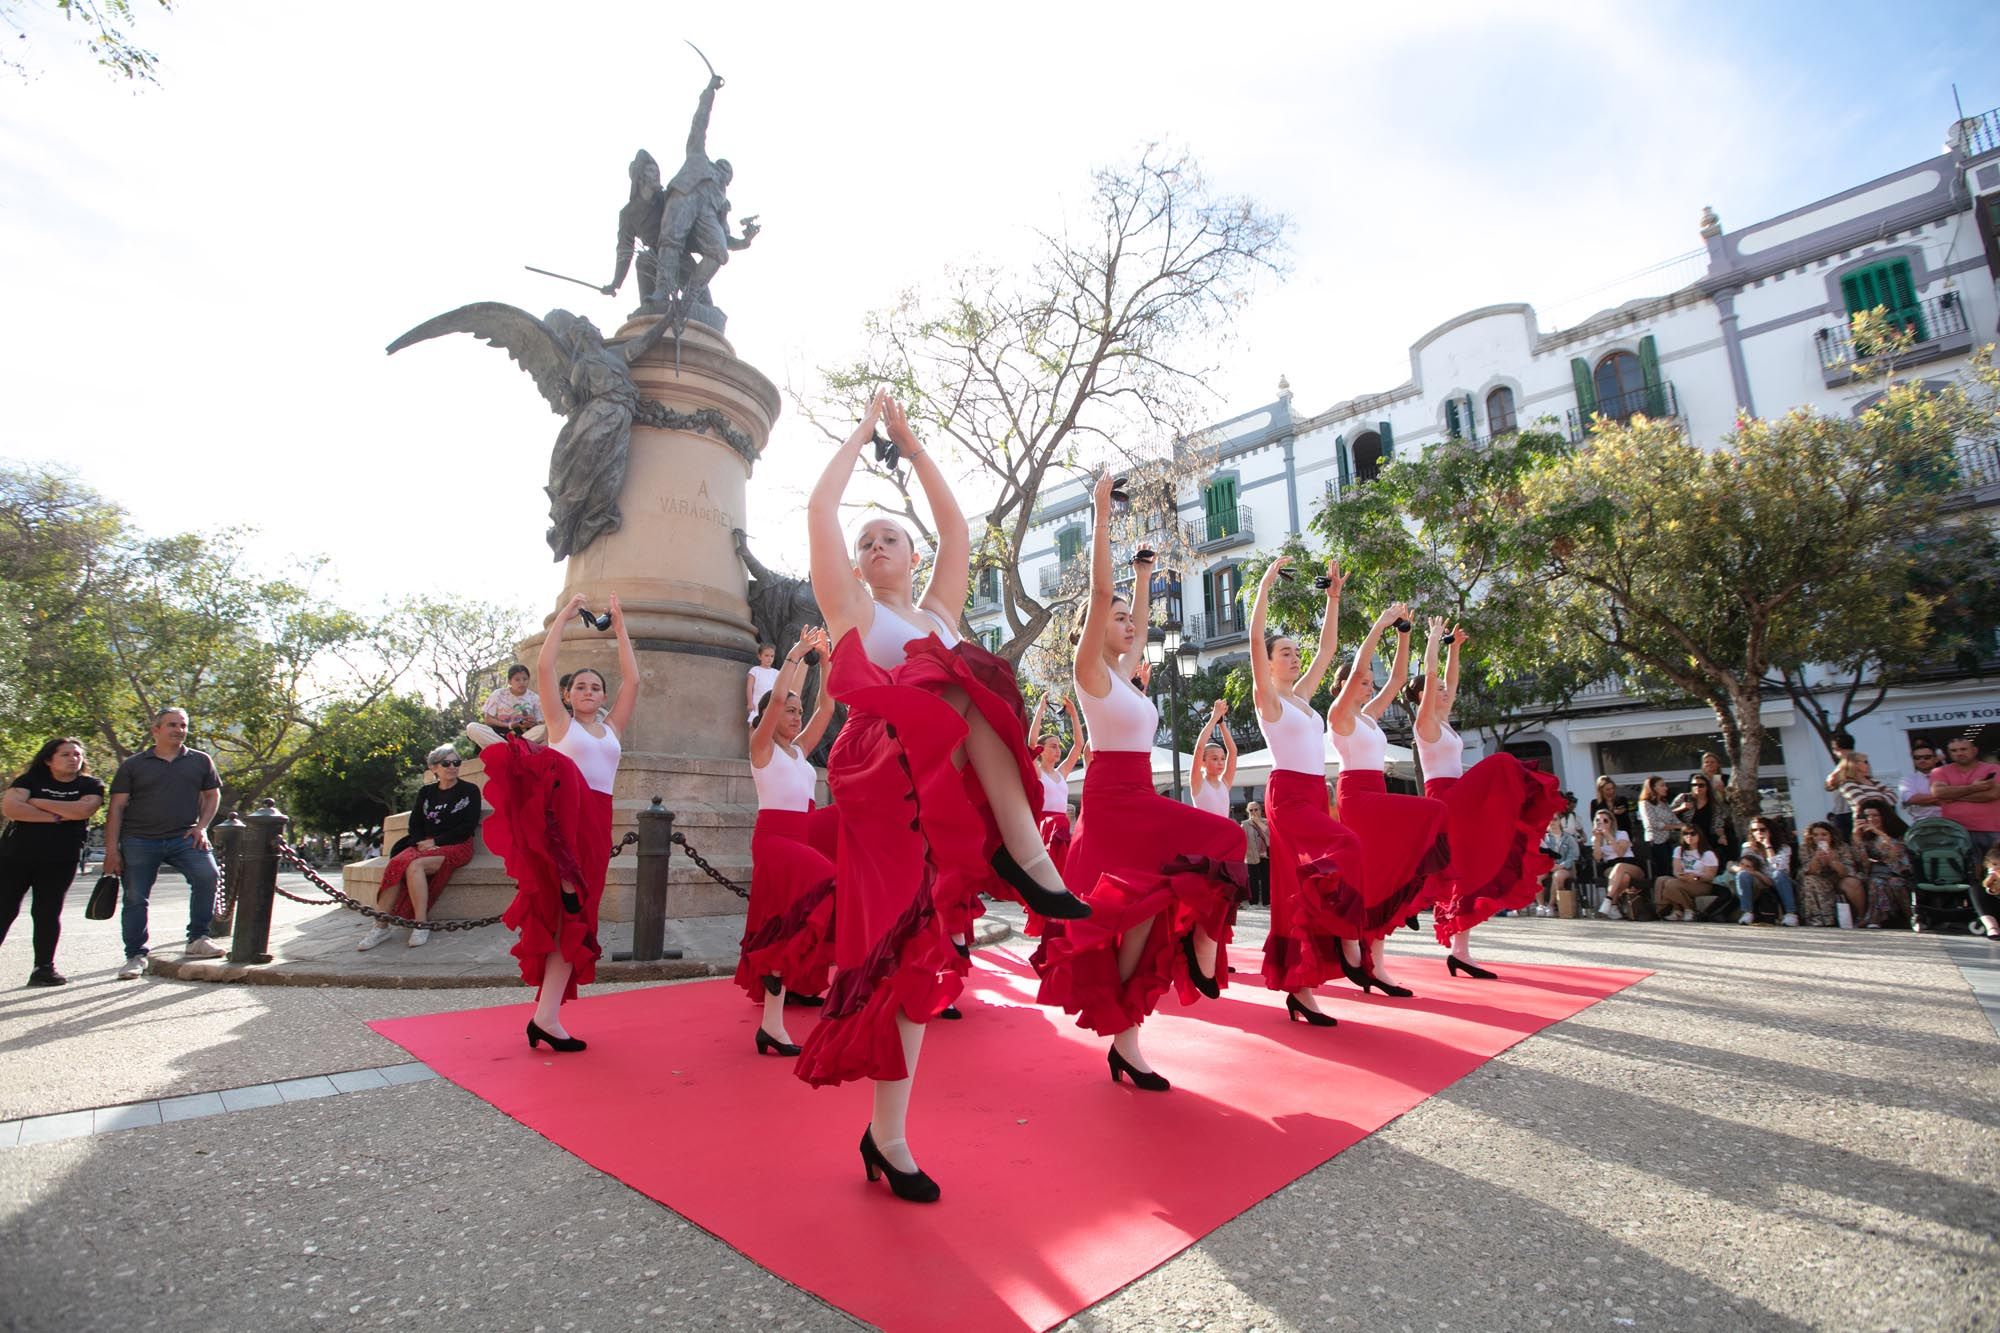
(1051, 577)
(1976, 136)
(1653, 400)
(1937, 325)
(1222, 529)
(1204, 631)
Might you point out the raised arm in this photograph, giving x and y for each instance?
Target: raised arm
(1355, 688)
(823, 706)
(1068, 764)
(628, 673)
(1228, 750)
(1142, 606)
(556, 718)
(841, 596)
(1431, 709)
(1263, 689)
(697, 144)
(951, 570)
(1090, 670)
(791, 675)
(1035, 723)
(1399, 671)
(1329, 634)
(1198, 779)
(1459, 638)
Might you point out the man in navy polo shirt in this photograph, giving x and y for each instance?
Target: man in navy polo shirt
(162, 800)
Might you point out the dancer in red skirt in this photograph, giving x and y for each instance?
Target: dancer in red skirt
(1402, 837)
(1053, 767)
(1162, 879)
(1215, 766)
(1499, 810)
(551, 824)
(1317, 879)
(787, 933)
(919, 834)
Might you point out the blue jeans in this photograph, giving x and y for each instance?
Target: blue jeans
(1746, 890)
(143, 858)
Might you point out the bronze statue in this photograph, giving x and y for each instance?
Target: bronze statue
(584, 378)
(781, 606)
(683, 227)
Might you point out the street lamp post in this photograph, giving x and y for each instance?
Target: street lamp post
(1165, 649)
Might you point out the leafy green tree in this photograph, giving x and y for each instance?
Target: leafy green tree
(369, 768)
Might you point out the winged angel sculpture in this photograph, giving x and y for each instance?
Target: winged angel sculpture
(584, 378)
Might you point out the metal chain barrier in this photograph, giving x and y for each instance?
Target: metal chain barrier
(290, 855)
(709, 870)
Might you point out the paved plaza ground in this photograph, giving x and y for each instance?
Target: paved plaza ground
(1780, 1129)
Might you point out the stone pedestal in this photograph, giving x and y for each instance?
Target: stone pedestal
(674, 567)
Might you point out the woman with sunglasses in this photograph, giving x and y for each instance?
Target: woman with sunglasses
(443, 819)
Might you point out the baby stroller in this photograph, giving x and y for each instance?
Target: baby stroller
(1942, 863)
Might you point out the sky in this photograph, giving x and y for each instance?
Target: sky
(197, 280)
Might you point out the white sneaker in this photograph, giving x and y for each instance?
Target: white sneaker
(201, 946)
(1610, 912)
(1747, 919)
(134, 969)
(1790, 919)
(418, 938)
(373, 938)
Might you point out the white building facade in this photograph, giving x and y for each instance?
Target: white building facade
(1755, 322)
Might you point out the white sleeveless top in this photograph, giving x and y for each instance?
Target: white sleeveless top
(1364, 749)
(786, 783)
(888, 635)
(1444, 758)
(1213, 797)
(1124, 721)
(595, 757)
(1055, 793)
(1295, 739)
(765, 677)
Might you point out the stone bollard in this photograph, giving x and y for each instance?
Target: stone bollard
(649, 895)
(225, 836)
(256, 883)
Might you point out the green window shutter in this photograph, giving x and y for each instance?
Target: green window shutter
(1889, 286)
(1649, 369)
(1388, 441)
(1586, 389)
(1451, 418)
(1903, 302)
(1471, 421)
(1069, 544)
(1208, 599)
(1340, 461)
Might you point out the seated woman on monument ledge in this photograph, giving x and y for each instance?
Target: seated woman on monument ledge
(443, 819)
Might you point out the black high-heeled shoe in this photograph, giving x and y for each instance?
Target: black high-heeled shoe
(1141, 1080)
(804, 1001)
(1294, 1011)
(772, 985)
(914, 1186)
(766, 1043)
(1455, 965)
(1063, 906)
(1202, 982)
(556, 1043)
(1362, 977)
(950, 1012)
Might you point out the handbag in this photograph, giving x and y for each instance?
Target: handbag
(103, 899)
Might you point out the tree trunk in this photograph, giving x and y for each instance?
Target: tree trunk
(1747, 753)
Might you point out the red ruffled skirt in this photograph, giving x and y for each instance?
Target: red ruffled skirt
(550, 829)
(1318, 894)
(1499, 812)
(394, 875)
(788, 932)
(1402, 845)
(1138, 857)
(915, 835)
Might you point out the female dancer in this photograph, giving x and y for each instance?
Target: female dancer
(1162, 879)
(1316, 864)
(912, 826)
(1054, 768)
(1402, 837)
(1499, 811)
(551, 824)
(1215, 767)
(787, 933)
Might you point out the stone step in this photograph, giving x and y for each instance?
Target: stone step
(482, 886)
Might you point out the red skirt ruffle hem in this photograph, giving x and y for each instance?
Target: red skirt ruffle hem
(549, 828)
(915, 836)
(1054, 826)
(1499, 812)
(1318, 895)
(788, 932)
(394, 875)
(1138, 857)
(1402, 845)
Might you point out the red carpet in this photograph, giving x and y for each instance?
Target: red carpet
(1059, 1188)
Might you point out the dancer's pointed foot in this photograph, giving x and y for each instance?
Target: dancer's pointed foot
(768, 1044)
(1051, 899)
(911, 1183)
(1145, 1080)
(1202, 981)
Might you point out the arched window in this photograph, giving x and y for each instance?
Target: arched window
(1367, 457)
(1500, 412)
(1621, 386)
